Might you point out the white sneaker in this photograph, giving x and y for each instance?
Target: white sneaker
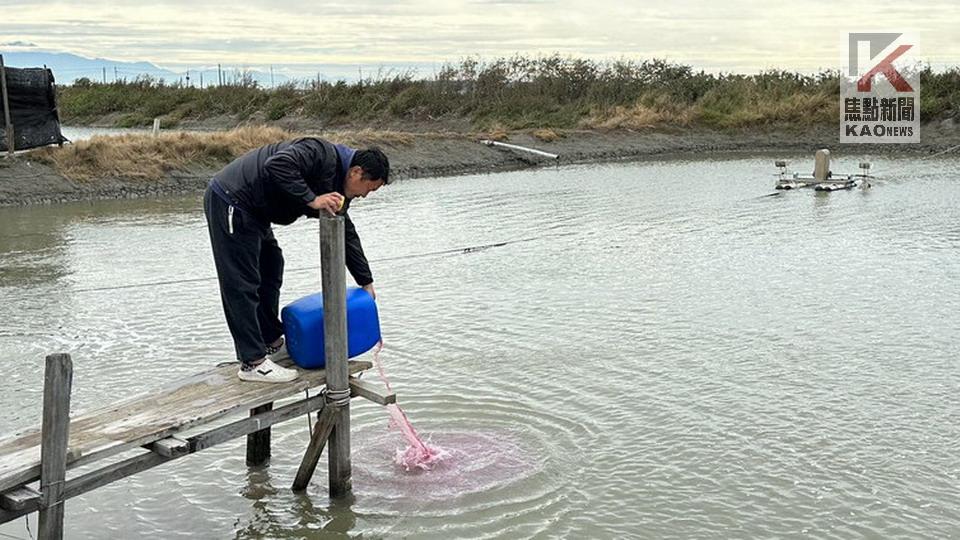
(268, 371)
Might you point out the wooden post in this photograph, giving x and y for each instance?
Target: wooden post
(821, 166)
(156, 127)
(8, 124)
(258, 443)
(55, 431)
(332, 263)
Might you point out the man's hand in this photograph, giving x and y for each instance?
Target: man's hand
(331, 203)
(369, 288)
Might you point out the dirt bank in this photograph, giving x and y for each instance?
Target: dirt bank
(25, 180)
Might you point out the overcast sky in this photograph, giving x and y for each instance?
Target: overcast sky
(733, 35)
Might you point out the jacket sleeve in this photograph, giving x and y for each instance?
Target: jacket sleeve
(289, 167)
(356, 260)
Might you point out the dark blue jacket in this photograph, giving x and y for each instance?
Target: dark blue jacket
(275, 182)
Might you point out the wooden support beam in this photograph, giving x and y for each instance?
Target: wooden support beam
(116, 471)
(326, 422)
(170, 447)
(57, 384)
(334, 282)
(19, 499)
(258, 442)
(8, 123)
(254, 423)
(10, 515)
(373, 392)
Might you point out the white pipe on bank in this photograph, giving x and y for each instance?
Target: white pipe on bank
(488, 142)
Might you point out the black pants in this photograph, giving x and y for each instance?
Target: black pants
(250, 269)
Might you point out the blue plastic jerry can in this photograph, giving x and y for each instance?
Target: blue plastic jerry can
(303, 327)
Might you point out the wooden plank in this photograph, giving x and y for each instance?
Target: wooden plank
(332, 262)
(7, 122)
(19, 498)
(258, 443)
(10, 515)
(373, 392)
(321, 432)
(56, 107)
(57, 384)
(116, 471)
(169, 447)
(93, 480)
(251, 424)
(27, 503)
(195, 443)
(149, 417)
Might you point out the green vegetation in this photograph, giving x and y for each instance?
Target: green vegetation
(512, 93)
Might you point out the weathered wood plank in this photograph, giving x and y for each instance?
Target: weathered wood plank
(146, 418)
(5, 98)
(27, 501)
(372, 391)
(258, 443)
(251, 424)
(57, 385)
(318, 439)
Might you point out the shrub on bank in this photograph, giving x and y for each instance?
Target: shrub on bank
(516, 93)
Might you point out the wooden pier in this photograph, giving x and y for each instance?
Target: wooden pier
(187, 416)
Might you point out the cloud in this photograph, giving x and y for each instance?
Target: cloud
(742, 35)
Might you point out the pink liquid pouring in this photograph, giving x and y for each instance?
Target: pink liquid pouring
(418, 455)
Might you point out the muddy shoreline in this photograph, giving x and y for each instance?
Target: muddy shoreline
(24, 180)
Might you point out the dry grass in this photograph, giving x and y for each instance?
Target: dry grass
(497, 133)
(547, 134)
(366, 137)
(640, 116)
(150, 158)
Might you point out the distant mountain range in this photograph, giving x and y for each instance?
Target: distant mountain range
(68, 67)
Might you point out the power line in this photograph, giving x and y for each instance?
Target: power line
(453, 251)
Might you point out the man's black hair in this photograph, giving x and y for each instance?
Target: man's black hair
(374, 163)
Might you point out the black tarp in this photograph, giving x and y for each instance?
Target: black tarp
(33, 109)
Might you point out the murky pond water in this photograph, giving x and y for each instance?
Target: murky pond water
(660, 350)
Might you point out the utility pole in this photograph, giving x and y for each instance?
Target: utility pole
(188, 77)
(201, 79)
(219, 75)
(115, 74)
(104, 78)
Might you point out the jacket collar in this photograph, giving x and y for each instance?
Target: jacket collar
(345, 155)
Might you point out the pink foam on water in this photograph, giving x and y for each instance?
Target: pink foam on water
(418, 455)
